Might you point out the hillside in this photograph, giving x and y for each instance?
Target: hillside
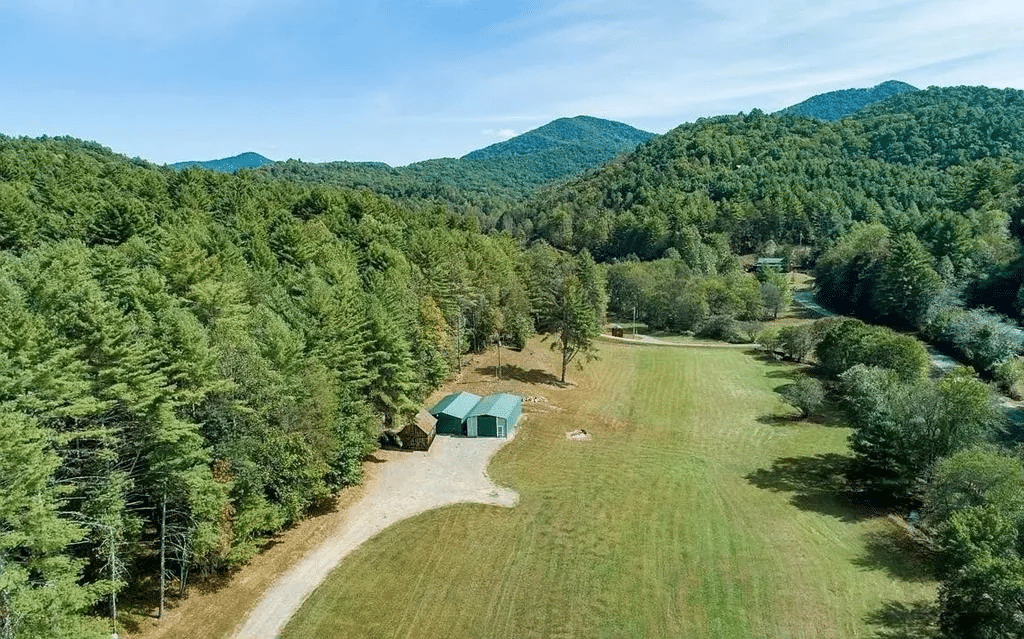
(557, 151)
(839, 104)
(247, 160)
(759, 177)
(591, 136)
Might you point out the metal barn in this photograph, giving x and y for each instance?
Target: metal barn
(451, 412)
(495, 416)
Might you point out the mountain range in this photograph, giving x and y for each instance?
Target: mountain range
(557, 151)
(560, 150)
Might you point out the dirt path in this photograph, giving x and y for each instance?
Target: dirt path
(452, 471)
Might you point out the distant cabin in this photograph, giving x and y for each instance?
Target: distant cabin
(772, 263)
(495, 416)
(419, 433)
(452, 411)
(617, 330)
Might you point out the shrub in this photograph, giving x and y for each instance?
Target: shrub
(1010, 377)
(805, 394)
(847, 342)
(797, 342)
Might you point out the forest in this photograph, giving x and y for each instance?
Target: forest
(190, 361)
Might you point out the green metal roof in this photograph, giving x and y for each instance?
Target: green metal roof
(500, 405)
(456, 405)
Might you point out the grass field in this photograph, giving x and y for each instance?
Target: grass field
(695, 511)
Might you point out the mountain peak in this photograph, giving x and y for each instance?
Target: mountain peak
(839, 104)
(582, 132)
(247, 160)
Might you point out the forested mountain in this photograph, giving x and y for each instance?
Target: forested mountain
(190, 360)
(839, 104)
(248, 160)
(953, 153)
(937, 175)
(565, 148)
(592, 138)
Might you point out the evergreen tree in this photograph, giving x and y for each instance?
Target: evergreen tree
(41, 594)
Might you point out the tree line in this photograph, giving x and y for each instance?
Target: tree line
(190, 362)
(939, 450)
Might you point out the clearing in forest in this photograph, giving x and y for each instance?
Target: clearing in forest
(694, 510)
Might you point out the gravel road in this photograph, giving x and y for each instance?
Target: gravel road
(452, 471)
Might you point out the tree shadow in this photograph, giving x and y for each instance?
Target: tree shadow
(790, 373)
(511, 371)
(895, 552)
(902, 620)
(830, 414)
(760, 355)
(801, 312)
(818, 484)
(780, 420)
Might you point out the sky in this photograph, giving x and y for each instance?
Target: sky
(400, 81)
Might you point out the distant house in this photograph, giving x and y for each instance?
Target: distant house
(452, 411)
(495, 416)
(772, 263)
(419, 433)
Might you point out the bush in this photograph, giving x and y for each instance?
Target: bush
(1010, 377)
(769, 341)
(797, 342)
(723, 327)
(805, 394)
(847, 342)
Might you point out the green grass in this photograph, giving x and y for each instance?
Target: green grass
(693, 512)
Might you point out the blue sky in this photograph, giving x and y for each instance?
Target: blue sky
(400, 81)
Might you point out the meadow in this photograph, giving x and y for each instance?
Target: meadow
(699, 508)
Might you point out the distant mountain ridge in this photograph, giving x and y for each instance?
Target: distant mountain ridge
(835, 105)
(562, 149)
(234, 163)
(581, 131)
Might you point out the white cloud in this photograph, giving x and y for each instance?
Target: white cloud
(677, 61)
(501, 134)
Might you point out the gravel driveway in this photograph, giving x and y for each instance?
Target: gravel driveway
(452, 471)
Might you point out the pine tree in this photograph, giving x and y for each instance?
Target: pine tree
(40, 590)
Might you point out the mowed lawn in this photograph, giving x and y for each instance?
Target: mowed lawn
(693, 512)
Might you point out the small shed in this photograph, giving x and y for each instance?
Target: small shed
(495, 416)
(419, 433)
(451, 412)
(617, 330)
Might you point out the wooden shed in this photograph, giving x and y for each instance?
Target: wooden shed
(419, 433)
(495, 416)
(617, 330)
(451, 412)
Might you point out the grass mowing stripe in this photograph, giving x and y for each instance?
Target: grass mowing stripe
(673, 521)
